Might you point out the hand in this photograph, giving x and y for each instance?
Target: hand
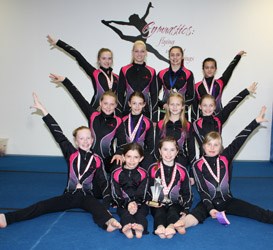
(51, 40)
(241, 53)
(132, 207)
(37, 105)
(165, 106)
(56, 78)
(213, 213)
(252, 88)
(117, 158)
(260, 118)
(192, 182)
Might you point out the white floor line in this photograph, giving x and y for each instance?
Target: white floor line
(47, 231)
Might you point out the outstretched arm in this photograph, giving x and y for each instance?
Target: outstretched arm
(229, 70)
(147, 10)
(75, 93)
(226, 111)
(240, 139)
(84, 64)
(65, 145)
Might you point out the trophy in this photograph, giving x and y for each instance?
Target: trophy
(156, 190)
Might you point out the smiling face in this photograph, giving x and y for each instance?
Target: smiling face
(176, 57)
(175, 105)
(136, 104)
(168, 152)
(83, 139)
(213, 147)
(132, 159)
(105, 59)
(108, 104)
(209, 69)
(139, 53)
(207, 106)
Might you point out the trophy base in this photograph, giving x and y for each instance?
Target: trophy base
(153, 204)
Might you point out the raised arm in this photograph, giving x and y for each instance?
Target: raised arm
(65, 145)
(229, 70)
(86, 108)
(240, 139)
(84, 64)
(234, 102)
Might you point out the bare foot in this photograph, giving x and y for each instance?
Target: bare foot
(170, 231)
(160, 231)
(3, 222)
(138, 230)
(112, 225)
(180, 226)
(127, 230)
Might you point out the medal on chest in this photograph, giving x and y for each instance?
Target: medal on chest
(109, 80)
(209, 90)
(134, 133)
(217, 176)
(79, 185)
(167, 188)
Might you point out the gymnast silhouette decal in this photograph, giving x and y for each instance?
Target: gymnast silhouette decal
(141, 25)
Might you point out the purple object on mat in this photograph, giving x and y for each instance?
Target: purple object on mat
(221, 217)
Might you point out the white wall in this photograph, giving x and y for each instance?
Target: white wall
(221, 29)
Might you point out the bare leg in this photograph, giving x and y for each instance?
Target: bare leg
(127, 230)
(138, 230)
(3, 222)
(112, 225)
(170, 231)
(160, 231)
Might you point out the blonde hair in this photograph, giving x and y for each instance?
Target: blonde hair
(137, 43)
(213, 135)
(102, 50)
(108, 93)
(75, 131)
(182, 117)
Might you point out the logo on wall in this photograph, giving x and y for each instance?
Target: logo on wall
(150, 29)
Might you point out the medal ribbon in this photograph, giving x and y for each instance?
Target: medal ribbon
(132, 134)
(217, 178)
(166, 189)
(172, 81)
(109, 81)
(86, 168)
(209, 91)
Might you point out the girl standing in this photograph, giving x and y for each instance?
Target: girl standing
(129, 186)
(103, 78)
(138, 76)
(84, 167)
(104, 125)
(210, 85)
(212, 177)
(138, 127)
(175, 124)
(176, 78)
(175, 196)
